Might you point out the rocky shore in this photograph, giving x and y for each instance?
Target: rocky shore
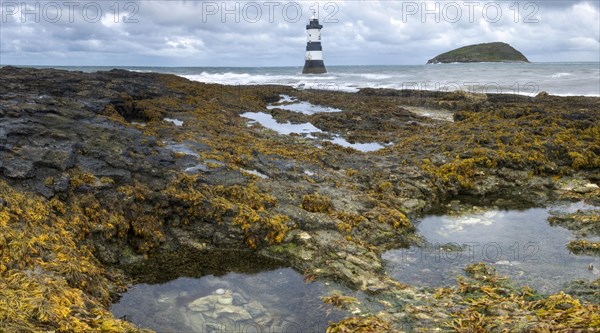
(101, 172)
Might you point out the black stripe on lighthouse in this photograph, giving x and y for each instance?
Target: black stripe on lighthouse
(313, 24)
(314, 67)
(316, 46)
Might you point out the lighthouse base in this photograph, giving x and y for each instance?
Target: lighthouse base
(314, 67)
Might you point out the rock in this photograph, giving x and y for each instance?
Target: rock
(304, 236)
(196, 169)
(232, 312)
(61, 158)
(259, 314)
(219, 307)
(412, 204)
(374, 284)
(542, 94)
(17, 168)
(212, 302)
(226, 298)
(255, 308)
(570, 184)
(204, 304)
(196, 321)
(309, 221)
(225, 176)
(587, 188)
(101, 168)
(61, 184)
(367, 265)
(263, 320)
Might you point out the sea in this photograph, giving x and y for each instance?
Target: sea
(560, 78)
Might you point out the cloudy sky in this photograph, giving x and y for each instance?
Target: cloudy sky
(272, 33)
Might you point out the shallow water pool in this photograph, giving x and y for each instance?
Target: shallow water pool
(249, 300)
(520, 244)
(267, 121)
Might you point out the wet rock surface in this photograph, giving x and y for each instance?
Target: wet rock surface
(99, 163)
(220, 306)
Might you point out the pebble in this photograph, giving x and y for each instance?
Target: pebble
(220, 291)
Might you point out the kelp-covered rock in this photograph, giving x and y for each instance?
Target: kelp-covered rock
(584, 223)
(103, 170)
(48, 281)
(487, 302)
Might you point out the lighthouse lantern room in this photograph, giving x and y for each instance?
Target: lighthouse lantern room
(314, 52)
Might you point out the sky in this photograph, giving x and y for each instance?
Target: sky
(273, 33)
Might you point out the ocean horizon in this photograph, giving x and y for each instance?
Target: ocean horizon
(529, 79)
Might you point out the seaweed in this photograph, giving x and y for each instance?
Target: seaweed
(317, 203)
(48, 279)
(365, 324)
(486, 302)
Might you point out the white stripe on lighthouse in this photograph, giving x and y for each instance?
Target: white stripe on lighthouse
(314, 55)
(313, 35)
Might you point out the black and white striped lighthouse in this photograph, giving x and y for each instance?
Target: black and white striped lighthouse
(314, 52)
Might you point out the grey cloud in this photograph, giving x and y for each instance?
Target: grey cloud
(367, 32)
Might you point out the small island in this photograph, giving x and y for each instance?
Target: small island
(486, 52)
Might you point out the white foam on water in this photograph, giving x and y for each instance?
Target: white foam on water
(286, 99)
(557, 75)
(528, 79)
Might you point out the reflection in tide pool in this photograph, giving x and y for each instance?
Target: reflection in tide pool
(520, 244)
(266, 120)
(270, 301)
(364, 147)
(181, 148)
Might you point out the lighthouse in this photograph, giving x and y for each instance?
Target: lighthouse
(313, 63)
